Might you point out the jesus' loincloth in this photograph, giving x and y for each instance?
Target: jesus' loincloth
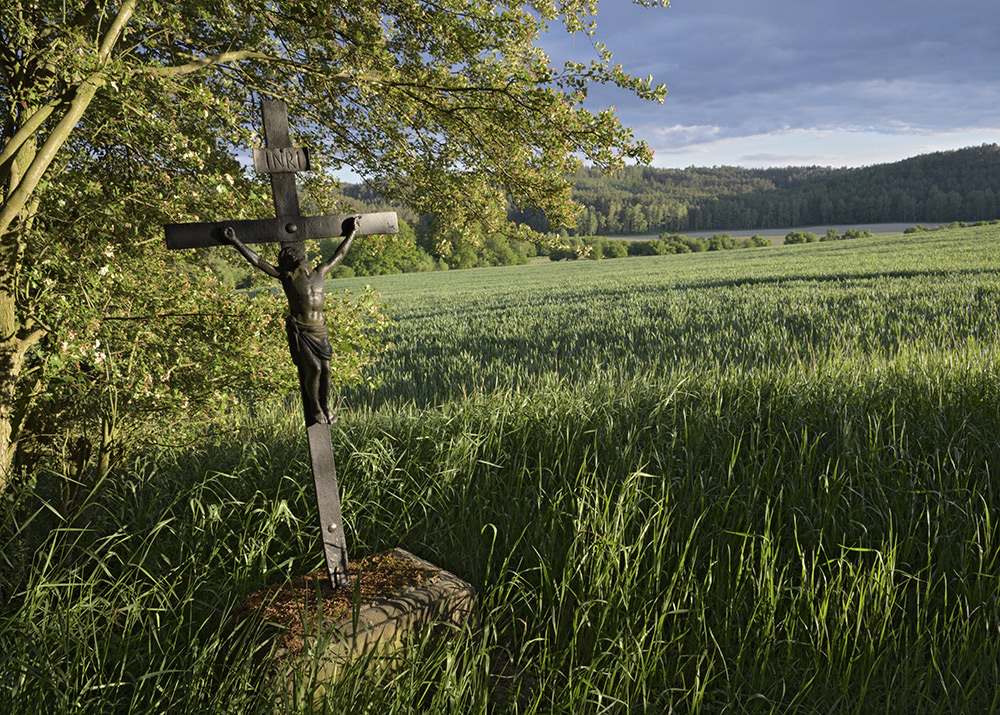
(308, 338)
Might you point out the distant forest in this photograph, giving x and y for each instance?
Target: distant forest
(961, 185)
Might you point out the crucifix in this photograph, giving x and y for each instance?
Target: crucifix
(303, 283)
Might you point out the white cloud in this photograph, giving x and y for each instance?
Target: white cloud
(817, 147)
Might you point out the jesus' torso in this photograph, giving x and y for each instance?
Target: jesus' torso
(304, 290)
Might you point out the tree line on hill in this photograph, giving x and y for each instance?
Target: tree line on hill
(939, 187)
(959, 185)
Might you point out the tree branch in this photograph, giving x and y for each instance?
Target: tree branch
(115, 31)
(57, 137)
(28, 341)
(23, 134)
(158, 316)
(238, 56)
(85, 92)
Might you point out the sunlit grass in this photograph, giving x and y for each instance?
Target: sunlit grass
(754, 311)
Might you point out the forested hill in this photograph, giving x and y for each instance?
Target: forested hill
(962, 185)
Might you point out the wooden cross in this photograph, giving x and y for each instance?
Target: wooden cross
(303, 286)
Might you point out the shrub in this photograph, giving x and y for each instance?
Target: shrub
(755, 241)
(640, 248)
(721, 242)
(694, 245)
(796, 237)
(858, 233)
(616, 249)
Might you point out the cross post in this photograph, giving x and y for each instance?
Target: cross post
(308, 336)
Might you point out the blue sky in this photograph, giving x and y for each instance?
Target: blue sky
(802, 82)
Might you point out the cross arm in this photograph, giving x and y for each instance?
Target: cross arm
(286, 228)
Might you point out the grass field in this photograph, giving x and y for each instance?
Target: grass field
(762, 480)
(756, 311)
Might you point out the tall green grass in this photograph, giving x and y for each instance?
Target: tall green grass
(752, 483)
(755, 311)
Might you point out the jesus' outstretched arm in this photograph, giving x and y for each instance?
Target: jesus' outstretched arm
(256, 261)
(338, 255)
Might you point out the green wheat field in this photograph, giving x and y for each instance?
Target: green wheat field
(762, 480)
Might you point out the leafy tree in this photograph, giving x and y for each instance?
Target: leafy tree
(122, 112)
(498, 251)
(382, 255)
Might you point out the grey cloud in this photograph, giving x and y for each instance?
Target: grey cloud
(743, 68)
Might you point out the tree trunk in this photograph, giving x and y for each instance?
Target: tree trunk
(28, 162)
(11, 353)
(15, 341)
(17, 336)
(27, 154)
(8, 389)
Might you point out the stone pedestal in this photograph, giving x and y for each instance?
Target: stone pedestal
(376, 630)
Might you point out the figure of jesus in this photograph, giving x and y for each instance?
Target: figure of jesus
(308, 335)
